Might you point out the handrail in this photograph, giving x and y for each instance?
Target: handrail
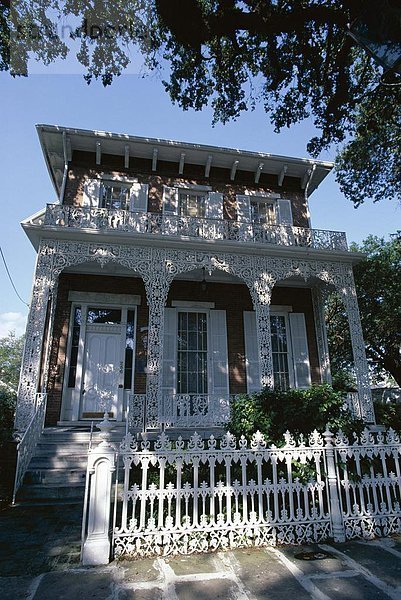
(27, 444)
(168, 224)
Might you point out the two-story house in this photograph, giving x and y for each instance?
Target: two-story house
(171, 276)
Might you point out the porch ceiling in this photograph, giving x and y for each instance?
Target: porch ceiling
(217, 276)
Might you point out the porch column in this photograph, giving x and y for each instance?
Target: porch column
(261, 301)
(348, 295)
(157, 284)
(35, 330)
(318, 298)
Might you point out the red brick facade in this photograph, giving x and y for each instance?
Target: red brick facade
(84, 165)
(233, 298)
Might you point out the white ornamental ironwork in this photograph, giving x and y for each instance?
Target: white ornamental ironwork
(184, 497)
(369, 471)
(104, 219)
(158, 267)
(27, 444)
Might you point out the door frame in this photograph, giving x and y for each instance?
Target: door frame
(71, 397)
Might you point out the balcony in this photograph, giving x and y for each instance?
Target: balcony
(170, 225)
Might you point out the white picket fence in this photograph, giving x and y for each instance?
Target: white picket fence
(180, 497)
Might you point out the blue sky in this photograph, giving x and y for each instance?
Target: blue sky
(137, 106)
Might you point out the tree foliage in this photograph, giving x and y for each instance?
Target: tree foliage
(11, 348)
(294, 57)
(377, 281)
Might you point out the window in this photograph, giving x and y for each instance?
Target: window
(191, 204)
(76, 328)
(263, 212)
(192, 374)
(129, 350)
(289, 344)
(107, 316)
(115, 195)
(280, 352)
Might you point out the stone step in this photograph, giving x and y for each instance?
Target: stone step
(57, 470)
(47, 492)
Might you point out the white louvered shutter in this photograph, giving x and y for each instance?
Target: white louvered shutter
(169, 352)
(251, 353)
(214, 206)
(284, 212)
(139, 197)
(170, 200)
(243, 208)
(170, 210)
(91, 194)
(300, 354)
(244, 217)
(218, 353)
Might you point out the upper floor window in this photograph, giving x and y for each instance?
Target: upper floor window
(264, 209)
(115, 195)
(191, 204)
(263, 212)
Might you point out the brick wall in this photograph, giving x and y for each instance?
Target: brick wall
(234, 298)
(84, 165)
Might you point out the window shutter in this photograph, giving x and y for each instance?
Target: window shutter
(251, 353)
(91, 195)
(284, 212)
(170, 200)
(218, 353)
(300, 354)
(139, 197)
(214, 206)
(169, 352)
(243, 208)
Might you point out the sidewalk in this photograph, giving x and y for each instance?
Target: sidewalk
(39, 560)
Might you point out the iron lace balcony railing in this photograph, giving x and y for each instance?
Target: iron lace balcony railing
(166, 224)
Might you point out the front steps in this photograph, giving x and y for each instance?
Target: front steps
(57, 470)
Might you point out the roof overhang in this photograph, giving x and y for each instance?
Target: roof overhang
(58, 144)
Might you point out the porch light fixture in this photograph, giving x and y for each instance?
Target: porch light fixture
(204, 282)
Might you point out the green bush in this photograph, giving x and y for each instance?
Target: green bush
(388, 415)
(273, 412)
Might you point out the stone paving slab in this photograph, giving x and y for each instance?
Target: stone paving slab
(39, 560)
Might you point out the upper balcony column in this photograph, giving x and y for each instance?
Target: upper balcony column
(30, 379)
(348, 295)
(157, 283)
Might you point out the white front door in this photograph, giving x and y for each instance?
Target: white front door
(102, 377)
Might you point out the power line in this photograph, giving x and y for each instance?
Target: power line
(10, 278)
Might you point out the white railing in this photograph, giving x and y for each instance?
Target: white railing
(183, 497)
(195, 410)
(179, 226)
(200, 495)
(30, 438)
(369, 476)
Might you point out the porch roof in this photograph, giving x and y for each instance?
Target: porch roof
(59, 142)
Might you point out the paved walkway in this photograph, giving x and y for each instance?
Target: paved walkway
(39, 560)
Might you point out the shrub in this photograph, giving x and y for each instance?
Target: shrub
(273, 412)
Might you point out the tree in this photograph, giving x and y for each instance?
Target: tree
(377, 281)
(295, 57)
(11, 348)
